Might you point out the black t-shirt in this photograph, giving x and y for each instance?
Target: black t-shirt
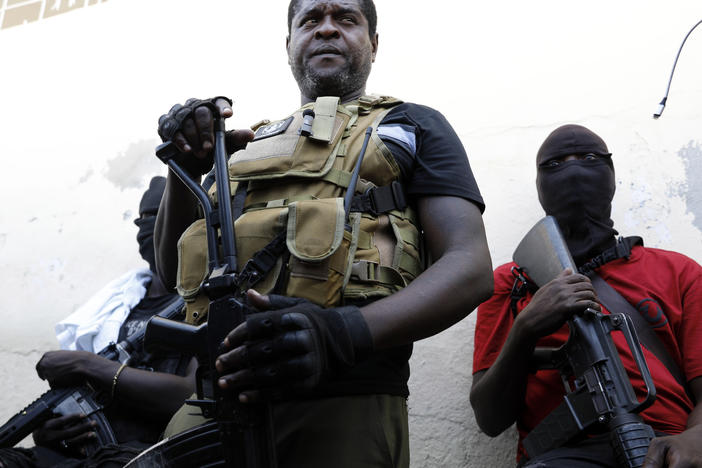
(130, 423)
(429, 153)
(433, 161)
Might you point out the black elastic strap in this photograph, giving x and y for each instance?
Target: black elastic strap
(378, 200)
(615, 303)
(239, 199)
(622, 249)
(263, 261)
(519, 289)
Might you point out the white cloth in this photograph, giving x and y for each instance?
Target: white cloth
(96, 323)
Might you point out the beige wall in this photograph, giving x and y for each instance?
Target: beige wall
(80, 93)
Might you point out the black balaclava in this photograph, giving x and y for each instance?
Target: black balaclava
(578, 193)
(148, 207)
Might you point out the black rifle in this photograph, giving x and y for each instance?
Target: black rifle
(246, 430)
(81, 399)
(599, 393)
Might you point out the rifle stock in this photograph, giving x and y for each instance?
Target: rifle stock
(543, 253)
(599, 392)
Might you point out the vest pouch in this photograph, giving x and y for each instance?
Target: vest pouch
(319, 250)
(192, 271)
(406, 258)
(385, 244)
(288, 154)
(254, 230)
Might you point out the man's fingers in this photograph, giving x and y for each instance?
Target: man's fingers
(71, 432)
(181, 143)
(232, 361)
(204, 124)
(189, 130)
(259, 301)
(655, 458)
(63, 421)
(250, 397)
(81, 439)
(283, 302)
(579, 285)
(238, 139)
(237, 380)
(225, 110)
(236, 337)
(594, 305)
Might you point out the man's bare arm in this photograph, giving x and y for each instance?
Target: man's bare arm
(497, 394)
(158, 393)
(459, 279)
(681, 450)
(177, 211)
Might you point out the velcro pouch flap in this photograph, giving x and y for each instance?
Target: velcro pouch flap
(192, 259)
(289, 154)
(315, 228)
(324, 118)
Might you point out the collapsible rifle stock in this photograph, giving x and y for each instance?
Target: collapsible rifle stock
(246, 430)
(599, 393)
(78, 400)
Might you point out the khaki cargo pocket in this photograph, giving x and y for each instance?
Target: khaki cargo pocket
(192, 271)
(319, 250)
(254, 231)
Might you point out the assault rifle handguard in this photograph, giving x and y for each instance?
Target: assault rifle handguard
(78, 400)
(246, 430)
(599, 393)
(73, 400)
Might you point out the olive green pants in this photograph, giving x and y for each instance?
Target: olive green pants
(365, 431)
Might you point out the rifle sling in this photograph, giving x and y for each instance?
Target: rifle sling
(614, 302)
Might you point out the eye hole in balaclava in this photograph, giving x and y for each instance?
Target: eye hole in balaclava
(578, 192)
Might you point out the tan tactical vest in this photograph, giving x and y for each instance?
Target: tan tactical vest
(297, 184)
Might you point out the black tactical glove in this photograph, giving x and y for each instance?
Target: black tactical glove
(301, 344)
(171, 123)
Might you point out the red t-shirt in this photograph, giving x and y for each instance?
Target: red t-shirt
(665, 287)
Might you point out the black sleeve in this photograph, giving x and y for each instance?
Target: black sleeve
(429, 153)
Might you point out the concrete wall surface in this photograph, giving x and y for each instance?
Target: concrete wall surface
(83, 83)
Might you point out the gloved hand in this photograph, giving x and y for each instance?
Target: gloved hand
(191, 128)
(294, 346)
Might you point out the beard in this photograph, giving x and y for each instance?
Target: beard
(341, 81)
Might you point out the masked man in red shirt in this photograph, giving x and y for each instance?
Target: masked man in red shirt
(575, 182)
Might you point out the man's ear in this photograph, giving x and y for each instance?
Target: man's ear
(374, 45)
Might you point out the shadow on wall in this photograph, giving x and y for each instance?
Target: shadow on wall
(127, 169)
(691, 190)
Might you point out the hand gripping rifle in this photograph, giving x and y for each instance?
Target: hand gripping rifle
(80, 399)
(246, 430)
(598, 391)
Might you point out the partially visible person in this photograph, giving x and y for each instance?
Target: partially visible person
(143, 395)
(575, 182)
(353, 282)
